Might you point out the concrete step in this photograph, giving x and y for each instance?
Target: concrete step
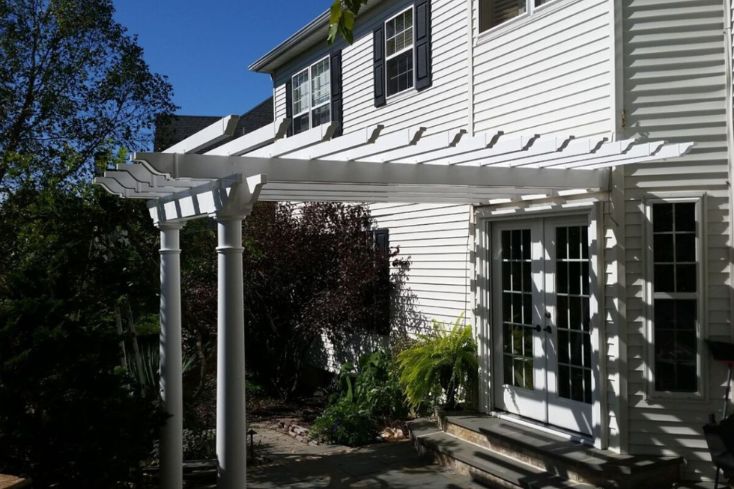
(484, 466)
(567, 459)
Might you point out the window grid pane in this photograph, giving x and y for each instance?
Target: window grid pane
(399, 33)
(400, 73)
(674, 280)
(517, 307)
(320, 83)
(573, 320)
(300, 93)
(399, 52)
(311, 96)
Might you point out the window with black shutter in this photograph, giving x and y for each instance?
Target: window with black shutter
(402, 52)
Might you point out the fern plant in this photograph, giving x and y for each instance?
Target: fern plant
(443, 362)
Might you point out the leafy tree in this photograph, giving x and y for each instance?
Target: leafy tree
(73, 88)
(342, 16)
(69, 415)
(308, 272)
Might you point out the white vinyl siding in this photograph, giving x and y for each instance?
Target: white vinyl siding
(546, 73)
(436, 240)
(279, 110)
(674, 90)
(441, 107)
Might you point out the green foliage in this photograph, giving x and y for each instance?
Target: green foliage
(342, 16)
(377, 387)
(439, 363)
(69, 416)
(74, 88)
(344, 423)
(307, 273)
(199, 444)
(367, 397)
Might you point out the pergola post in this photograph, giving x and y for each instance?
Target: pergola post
(171, 388)
(231, 436)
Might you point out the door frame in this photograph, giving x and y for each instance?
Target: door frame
(484, 310)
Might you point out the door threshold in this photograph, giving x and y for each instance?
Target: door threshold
(544, 427)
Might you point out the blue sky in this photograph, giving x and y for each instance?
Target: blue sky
(204, 47)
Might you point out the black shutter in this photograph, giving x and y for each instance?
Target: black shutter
(381, 304)
(378, 39)
(336, 91)
(423, 76)
(289, 105)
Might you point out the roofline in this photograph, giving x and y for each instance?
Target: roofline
(263, 64)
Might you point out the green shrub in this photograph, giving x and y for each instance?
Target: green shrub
(344, 423)
(367, 397)
(441, 363)
(199, 444)
(378, 387)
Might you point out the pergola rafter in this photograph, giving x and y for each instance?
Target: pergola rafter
(377, 164)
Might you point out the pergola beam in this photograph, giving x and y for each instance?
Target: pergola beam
(212, 134)
(359, 173)
(251, 141)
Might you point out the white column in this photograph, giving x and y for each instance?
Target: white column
(171, 389)
(231, 436)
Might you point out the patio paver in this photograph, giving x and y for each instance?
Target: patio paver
(384, 465)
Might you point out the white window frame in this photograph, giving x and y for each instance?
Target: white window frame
(699, 295)
(530, 9)
(398, 53)
(309, 108)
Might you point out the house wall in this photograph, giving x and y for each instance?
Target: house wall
(548, 72)
(562, 70)
(674, 72)
(436, 240)
(443, 106)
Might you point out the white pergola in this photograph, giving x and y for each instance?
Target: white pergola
(373, 165)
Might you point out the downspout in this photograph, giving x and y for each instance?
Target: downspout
(470, 66)
(616, 207)
(728, 53)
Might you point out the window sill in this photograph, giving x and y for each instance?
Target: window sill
(660, 396)
(522, 20)
(405, 94)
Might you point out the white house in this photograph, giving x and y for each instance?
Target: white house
(556, 169)
(626, 284)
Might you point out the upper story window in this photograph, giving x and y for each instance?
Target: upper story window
(495, 12)
(399, 52)
(311, 97)
(676, 297)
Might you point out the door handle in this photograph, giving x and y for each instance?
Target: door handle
(547, 329)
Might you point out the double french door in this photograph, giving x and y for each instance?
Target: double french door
(542, 321)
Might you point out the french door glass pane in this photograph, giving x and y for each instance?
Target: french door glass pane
(572, 318)
(517, 307)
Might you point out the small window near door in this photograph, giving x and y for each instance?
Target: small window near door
(399, 52)
(311, 95)
(675, 296)
(495, 12)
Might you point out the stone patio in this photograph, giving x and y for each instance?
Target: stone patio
(295, 465)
